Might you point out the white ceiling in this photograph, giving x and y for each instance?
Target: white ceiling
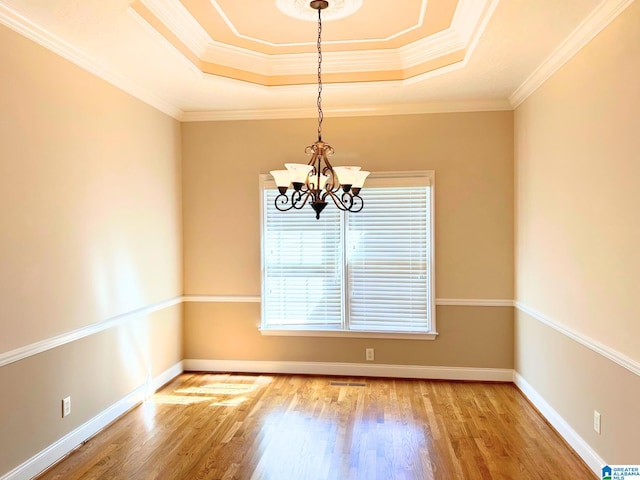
(518, 44)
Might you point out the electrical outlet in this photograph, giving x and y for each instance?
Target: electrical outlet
(596, 421)
(66, 406)
(369, 354)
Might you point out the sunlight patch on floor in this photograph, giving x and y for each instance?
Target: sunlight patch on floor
(178, 399)
(231, 402)
(219, 394)
(219, 389)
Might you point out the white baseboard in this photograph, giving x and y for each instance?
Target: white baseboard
(351, 369)
(581, 447)
(69, 442)
(66, 444)
(166, 376)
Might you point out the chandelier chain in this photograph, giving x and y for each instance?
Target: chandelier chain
(320, 114)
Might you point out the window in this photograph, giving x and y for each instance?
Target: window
(364, 274)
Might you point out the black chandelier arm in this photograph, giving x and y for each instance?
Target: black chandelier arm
(298, 199)
(281, 202)
(336, 201)
(356, 202)
(347, 202)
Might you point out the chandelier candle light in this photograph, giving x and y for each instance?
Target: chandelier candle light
(317, 180)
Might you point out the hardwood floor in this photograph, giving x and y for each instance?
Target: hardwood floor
(283, 427)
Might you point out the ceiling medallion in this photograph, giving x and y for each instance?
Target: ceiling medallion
(301, 10)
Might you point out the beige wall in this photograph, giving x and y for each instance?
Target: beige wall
(577, 144)
(577, 234)
(96, 371)
(575, 381)
(480, 337)
(472, 154)
(90, 229)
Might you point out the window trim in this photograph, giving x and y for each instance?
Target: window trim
(375, 179)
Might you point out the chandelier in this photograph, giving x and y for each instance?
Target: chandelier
(318, 181)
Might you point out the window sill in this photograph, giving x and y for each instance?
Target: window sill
(348, 334)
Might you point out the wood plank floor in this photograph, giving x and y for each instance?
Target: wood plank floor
(283, 427)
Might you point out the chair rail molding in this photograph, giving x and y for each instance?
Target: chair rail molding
(600, 348)
(47, 344)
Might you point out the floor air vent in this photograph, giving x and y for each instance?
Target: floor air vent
(347, 384)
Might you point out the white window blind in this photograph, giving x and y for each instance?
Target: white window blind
(370, 271)
(302, 267)
(387, 261)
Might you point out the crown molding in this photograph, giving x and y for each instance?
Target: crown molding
(19, 23)
(469, 14)
(337, 62)
(430, 48)
(298, 63)
(366, 111)
(602, 16)
(469, 20)
(232, 56)
(178, 19)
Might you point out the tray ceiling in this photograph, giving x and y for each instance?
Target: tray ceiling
(228, 59)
